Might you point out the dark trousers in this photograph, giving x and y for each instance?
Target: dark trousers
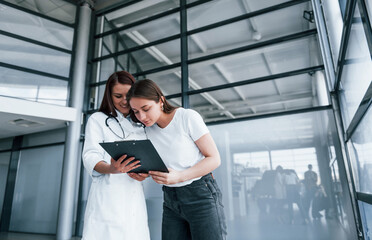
(293, 196)
(194, 211)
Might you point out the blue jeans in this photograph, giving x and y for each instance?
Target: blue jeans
(194, 211)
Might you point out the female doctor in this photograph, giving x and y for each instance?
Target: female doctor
(116, 207)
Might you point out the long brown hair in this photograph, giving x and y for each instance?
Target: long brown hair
(122, 77)
(149, 90)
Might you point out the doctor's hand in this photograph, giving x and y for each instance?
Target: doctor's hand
(166, 178)
(123, 165)
(138, 176)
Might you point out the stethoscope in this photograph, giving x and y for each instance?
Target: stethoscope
(121, 127)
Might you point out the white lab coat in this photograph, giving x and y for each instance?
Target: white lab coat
(116, 207)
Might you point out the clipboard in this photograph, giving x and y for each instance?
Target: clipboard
(142, 150)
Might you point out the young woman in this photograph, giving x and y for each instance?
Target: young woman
(116, 206)
(192, 206)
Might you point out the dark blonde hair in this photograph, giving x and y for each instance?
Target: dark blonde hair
(122, 77)
(149, 90)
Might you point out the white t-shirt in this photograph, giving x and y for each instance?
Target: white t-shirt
(176, 142)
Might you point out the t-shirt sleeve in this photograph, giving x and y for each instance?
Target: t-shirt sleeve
(92, 151)
(195, 125)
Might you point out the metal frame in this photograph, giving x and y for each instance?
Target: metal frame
(248, 47)
(364, 197)
(149, 19)
(115, 7)
(346, 134)
(10, 184)
(39, 43)
(184, 56)
(29, 70)
(72, 25)
(350, 8)
(270, 115)
(194, 31)
(8, 34)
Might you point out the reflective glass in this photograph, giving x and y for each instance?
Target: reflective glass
(360, 151)
(45, 137)
(58, 9)
(28, 55)
(247, 32)
(6, 143)
(334, 24)
(34, 27)
(33, 87)
(248, 100)
(150, 31)
(140, 11)
(37, 189)
(169, 81)
(144, 59)
(265, 61)
(356, 74)
(205, 14)
(264, 203)
(366, 212)
(4, 166)
(369, 10)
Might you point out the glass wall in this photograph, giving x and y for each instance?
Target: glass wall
(36, 50)
(353, 92)
(37, 188)
(4, 166)
(263, 200)
(242, 59)
(260, 48)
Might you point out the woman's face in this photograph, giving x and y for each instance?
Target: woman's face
(118, 96)
(147, 111)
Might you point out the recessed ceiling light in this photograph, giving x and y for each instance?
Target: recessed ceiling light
(25, 123)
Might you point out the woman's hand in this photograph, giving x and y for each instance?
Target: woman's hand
(166, 178)
(123, 165)
(138, 176)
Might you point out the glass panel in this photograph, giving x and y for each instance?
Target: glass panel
(138, 11)
(33, 87)
(46, 137)
(334, 24)
(146, 33)
(357, 72)
(177, 102)
(257, 197)
(297, 158)
(366, 213)
(249, 32)
(254, 99)
(24, 54)
(37, 188)
(85, 183)
(360, 150)
(150, 31)
(169, 81)
(369, 10)
(206, 14)
(37, 28)
(110, 44)
(246, 65)
(4, 166)
(6, 143)
(157, 56)
(57, 9)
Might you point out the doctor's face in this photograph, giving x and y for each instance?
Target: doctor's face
(118, 96)
(147, 111)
